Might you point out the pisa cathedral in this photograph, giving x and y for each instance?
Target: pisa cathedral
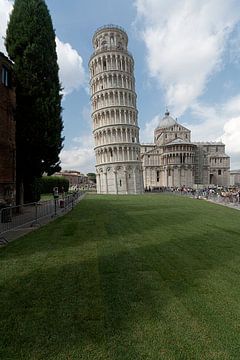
(123, 165)
(174, 161)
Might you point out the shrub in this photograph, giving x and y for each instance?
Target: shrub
(50, 182)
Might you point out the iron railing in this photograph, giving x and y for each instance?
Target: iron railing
(228, 198)
(14, 217)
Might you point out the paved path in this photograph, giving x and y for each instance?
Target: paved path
(14, 234)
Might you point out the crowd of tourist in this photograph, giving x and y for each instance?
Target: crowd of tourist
(229, 195)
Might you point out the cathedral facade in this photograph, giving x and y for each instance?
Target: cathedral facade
(173, 160)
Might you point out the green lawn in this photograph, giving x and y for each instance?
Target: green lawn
(125, 278)
(46, 197)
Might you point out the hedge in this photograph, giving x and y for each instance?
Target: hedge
(50, 182)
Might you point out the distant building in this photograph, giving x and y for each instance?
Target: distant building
(235, 177)
(7, 133)
(75, 178)
(174, 161)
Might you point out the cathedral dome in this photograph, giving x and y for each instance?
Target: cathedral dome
(166, 121)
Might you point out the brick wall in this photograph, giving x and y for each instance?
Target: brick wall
(7, 132)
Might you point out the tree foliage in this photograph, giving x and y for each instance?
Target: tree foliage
(30, 43)
(92, 177)
(49, 182)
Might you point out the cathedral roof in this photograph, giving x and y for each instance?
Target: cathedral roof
(166, 121)
(179, 141)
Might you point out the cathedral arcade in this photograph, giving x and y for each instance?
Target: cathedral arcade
(174, 161)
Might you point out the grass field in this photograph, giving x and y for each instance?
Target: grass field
(152, 277)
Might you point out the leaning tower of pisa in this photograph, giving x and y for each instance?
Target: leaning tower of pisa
(114, 114)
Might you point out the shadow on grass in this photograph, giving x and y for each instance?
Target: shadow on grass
(113, 219)
(134, 282)
(132, 305)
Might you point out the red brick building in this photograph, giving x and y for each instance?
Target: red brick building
(7, 133)
(75, 178)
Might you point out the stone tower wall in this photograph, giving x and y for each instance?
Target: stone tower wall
(114, 114)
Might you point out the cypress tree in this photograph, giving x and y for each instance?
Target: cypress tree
(30, 43)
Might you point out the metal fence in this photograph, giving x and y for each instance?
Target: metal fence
(229, 199)
(15, 217)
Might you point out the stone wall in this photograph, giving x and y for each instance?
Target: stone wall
(7, 133)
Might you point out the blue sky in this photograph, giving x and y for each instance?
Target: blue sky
(187, 57)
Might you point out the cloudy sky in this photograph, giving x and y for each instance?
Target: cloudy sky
(187, 57)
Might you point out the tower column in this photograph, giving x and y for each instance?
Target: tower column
(111, 91)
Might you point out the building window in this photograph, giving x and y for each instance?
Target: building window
(165, 136)
(219, 172)
(129, 176)
(158, 176)
(216, 148)
(120, 182)
(5, 76)
(176, 136)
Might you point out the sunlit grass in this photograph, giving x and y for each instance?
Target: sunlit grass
(132, 277)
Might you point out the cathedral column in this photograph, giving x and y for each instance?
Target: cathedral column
(173, 182)
(100, 185)
(126, 180)
(166, 176)
(115, 180)
(134, 180)
(179, 177)
(106, 182)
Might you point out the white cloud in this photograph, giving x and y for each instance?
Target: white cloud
(212, 121)
(231, 138)
(231, 135)
(80, 157)
(147, 134)
(185, 41)
(5, 10)
(86, 115)
(71, 71)
(218, 122)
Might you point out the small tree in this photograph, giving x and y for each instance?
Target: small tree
(92, 177)
(30, 43)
